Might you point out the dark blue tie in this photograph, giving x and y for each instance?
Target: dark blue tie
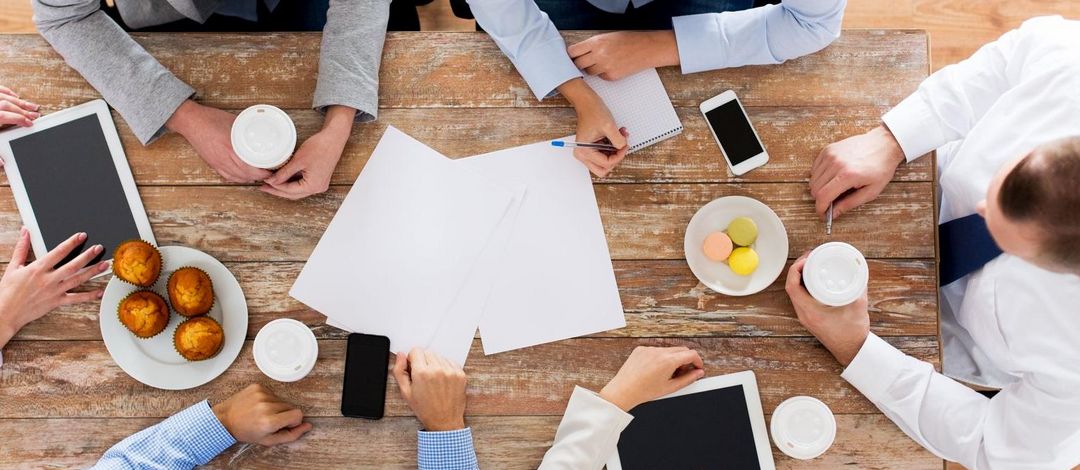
(966, 245)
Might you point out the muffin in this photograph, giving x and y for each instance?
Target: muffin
(191, 292)
(137, 262)
(144, 313)
(198, 338)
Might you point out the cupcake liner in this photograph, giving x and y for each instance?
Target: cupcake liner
(198, 318)
(160, 268)
(212, 293)
(128, 328)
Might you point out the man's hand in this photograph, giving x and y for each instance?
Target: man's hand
(310, 169)
(15, 111)
(594, 124)
(856, 168)
(842, 330)
(620, 54)
(29, 291)
(256, 416)
(209, 131)
(434, 388)
(650, 373)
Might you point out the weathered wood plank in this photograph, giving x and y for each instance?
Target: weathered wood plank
(641, 221)
(463, 69)
(793, 136)
(80, 379)
(661, 298)
(865, 441)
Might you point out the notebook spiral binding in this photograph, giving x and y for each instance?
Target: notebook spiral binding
(666, 135)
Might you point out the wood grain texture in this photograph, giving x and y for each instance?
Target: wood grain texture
(661, 298)
(518, 442)
(642, 221)
(793, 136)
(459, 69)
(79, 378)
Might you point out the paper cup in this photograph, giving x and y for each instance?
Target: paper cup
(803, 427)
(285, 350)
(263, 136)
(836, 274)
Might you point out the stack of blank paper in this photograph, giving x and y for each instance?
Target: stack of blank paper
(425, 249)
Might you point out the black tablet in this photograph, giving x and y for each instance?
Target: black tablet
(69, 174)
(714, 423)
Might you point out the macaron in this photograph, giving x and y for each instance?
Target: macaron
(717, 246)
(743, 231)
(743, 261)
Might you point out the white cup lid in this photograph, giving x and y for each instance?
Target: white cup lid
(836, 274)
(285, 350)
(263, 136)
(803, 427)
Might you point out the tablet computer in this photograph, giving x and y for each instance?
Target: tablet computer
(713, 423)
(69, 174)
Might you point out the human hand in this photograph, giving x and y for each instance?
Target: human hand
(594, 124)
(434, 387)
(862, 164)
(29, 291)
(255, 416)
(15, 111)
(310, 169)
(620, 54)
(209, 131)
(650, 373)
(842, 330)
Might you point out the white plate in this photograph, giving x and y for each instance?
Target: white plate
(771, 245)
(154, 361)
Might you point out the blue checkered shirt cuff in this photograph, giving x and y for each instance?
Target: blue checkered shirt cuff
(446, 450)
(191, 437)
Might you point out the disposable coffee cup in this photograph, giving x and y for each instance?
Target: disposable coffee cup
(836, 274)
(285, 350)
(263, 136)
(803, 427)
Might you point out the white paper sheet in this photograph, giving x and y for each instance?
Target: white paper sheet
(401, 246)
(555, 280)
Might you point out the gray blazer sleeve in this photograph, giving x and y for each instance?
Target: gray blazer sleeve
(144, 92)
(352, 47)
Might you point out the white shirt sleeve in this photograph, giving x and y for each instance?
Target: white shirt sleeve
(529, 39)
(952, 100)
(588, 434)
(1018, 428)
(769, 34)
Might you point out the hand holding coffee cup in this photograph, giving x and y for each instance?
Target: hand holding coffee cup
(264, 136)
(842, 323)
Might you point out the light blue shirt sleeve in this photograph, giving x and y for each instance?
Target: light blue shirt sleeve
(769, 34)
(530, 40)
(189, 438)
(447, 450)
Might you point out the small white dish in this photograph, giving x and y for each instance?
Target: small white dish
(771, 245)
(154, 361)
(803, 427)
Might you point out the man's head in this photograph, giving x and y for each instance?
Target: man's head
(1032, 207)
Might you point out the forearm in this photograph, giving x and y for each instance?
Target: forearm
(350, 56)
(446, 450)
(189, 438)
(588, 434)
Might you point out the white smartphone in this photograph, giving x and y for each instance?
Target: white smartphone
(734, 133)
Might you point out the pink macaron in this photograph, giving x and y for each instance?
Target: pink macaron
(717, 246)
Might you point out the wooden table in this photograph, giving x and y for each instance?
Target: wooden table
(63, 401)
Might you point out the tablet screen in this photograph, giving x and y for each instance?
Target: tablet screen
(709, 429)
(73, 186)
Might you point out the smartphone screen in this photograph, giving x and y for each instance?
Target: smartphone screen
(733, 130)
(363, 392)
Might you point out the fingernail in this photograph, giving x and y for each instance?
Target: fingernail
(82, 235)
(35, 115)
(98, 248)
(100, 293)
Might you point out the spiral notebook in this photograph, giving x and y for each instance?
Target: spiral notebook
(641, 105)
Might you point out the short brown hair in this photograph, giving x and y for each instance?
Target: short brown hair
(1044, 188)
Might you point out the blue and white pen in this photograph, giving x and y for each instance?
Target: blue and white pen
(559, 143)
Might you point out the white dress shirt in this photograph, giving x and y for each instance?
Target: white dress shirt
(768, 34)
(588, 434)
(1011, 324)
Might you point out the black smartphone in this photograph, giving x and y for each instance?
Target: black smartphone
(363, 393)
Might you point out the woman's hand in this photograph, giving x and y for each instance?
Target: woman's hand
(619, 54)
(29, 291)
(15, 111)
(650, 373)
(594, 124)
